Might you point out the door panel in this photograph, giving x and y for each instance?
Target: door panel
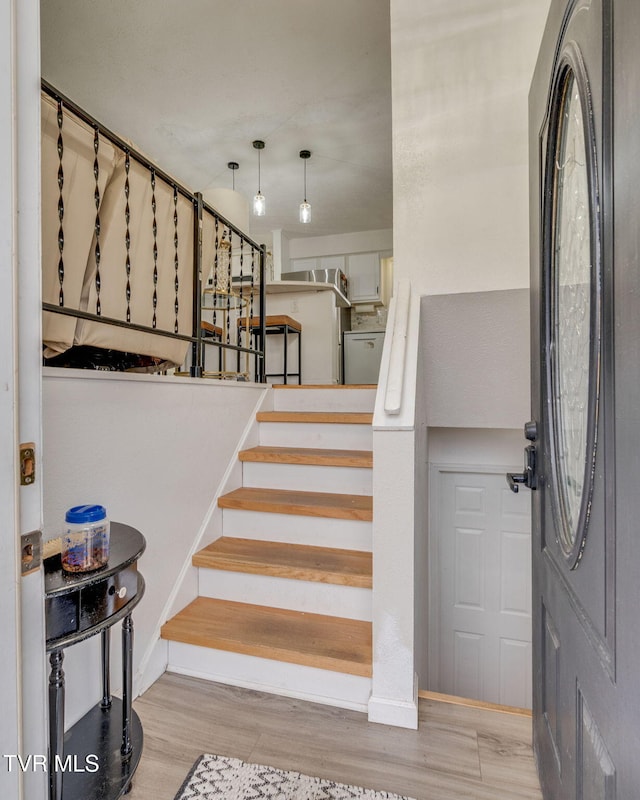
(585, 335)
(482, 562)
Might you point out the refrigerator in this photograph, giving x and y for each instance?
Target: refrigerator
(362, 352)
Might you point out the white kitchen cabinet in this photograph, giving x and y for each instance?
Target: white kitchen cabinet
(363, 273)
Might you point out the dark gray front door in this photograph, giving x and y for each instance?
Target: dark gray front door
(585, 278)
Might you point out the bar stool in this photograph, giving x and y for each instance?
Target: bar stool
(277, 324)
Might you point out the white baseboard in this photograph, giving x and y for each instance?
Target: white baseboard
(154, 667)
(401, 713)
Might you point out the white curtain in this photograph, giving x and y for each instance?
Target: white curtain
(78, 254)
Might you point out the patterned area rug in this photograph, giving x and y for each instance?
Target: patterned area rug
(213, 777)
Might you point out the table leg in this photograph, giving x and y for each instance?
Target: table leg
(286, 347)
(106, 677)
(56, 724)
(127, 687)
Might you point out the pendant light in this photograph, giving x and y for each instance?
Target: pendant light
(305, 208)
(233, 165)
(258, 200)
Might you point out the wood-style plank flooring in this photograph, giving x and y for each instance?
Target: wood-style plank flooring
(458, 753)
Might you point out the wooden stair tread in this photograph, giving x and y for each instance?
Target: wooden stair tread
(300, 562)
(325, 386)
(308, 455)
(330, 417)
(314, 640)
(310, 504)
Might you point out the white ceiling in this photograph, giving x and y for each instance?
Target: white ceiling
(193, 82)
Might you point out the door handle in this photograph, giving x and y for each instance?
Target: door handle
(528, 477)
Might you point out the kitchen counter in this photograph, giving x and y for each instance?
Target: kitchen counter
(316, 306)
(296, 287)
(282, 287)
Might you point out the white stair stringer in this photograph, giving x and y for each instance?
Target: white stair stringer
(266, 675)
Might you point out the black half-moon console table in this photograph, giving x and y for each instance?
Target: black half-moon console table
(97, 757)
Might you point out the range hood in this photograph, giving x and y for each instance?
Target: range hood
(335, 277)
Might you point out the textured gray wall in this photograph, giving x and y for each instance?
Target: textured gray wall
(477, 364)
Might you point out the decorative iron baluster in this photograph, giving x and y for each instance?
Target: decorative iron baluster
(176, 260)
(240, 306)
(253, 272)
(229, 286)
(96, 197)
(60, 117)
(239, 327)
(127, 234)
(215, 270)
(155, 248)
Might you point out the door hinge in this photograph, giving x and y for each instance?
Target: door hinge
(27, 463)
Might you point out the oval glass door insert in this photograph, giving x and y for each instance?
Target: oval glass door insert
(573, 328)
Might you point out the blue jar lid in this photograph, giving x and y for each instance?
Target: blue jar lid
(79, 514)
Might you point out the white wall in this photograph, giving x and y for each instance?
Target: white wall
(460, 79)
(153, 451)
(358, 242)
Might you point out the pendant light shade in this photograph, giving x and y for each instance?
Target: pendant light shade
(259, 205)
(305, 207)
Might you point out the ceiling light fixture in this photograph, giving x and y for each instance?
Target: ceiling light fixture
(258, 201)
(233, 165)
(305, 208)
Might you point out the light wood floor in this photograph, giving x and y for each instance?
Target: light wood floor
(458, 753)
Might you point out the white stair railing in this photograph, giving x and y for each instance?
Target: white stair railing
(395, 375)
(397, 444)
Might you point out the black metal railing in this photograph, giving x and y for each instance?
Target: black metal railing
(227, 304)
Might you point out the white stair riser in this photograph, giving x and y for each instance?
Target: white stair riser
(275, 592)
(313, 434)
(308, 478)
(347, 534)
(324, 399)
(276, 677)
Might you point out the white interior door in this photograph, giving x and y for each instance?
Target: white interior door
(22, 656)
(480, 620)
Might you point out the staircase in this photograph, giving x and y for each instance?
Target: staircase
(284, 599)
